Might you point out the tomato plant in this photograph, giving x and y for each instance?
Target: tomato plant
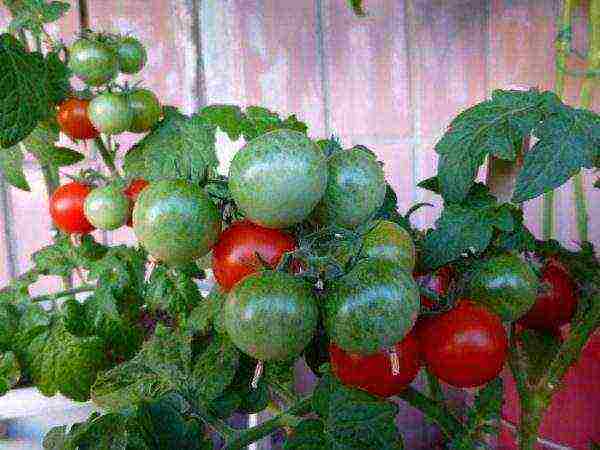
(67, 210)
(74, 121)
(466, 346)
(244, 248)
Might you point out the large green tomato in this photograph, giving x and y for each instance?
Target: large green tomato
(110, 113)
(175, 221)
(271, 315)
(106, 208)
(355, 189)
(372, 307)
(94, 62)
(506, 285)
(278, 178)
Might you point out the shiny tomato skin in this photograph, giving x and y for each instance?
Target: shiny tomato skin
(132, 191)
(73, 119)
(438, 282)
(234, 256)
(464, 347)
(66, 208)
(556, 303)
(373, 373)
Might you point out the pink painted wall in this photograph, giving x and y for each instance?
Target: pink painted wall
(391, 81)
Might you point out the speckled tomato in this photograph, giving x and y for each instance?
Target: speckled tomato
(373, 373)
(66, 208)
(235, 254)
(355, 189)
(110, 113)
(132, 191)
(131, 55)
(73, 119)
(464, 347)
(389, 240)
(278, 178)
(106, 207)
(175, 221)
(506, 285)
(438, 282)
(93, 62)
(372, 307)
(271, 315)
(145, 108)
(556, 302)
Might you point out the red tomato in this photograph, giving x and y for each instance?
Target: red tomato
(556, 304)
(132, 191)
(66, 208)
(373, 373)
(438, 282)
(234, 256)
(464, 347)
(73, 119)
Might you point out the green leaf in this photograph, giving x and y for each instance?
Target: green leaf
(29, 88)
(62, 257)
(540, 348)
(173, 291)
(11, 167)
(568, 141)
(226, 117)
(215, 368)
(9, 325)
(56, 438)
(389, 210)
(308, 435)
(162, 365)
(203, 315)
(357, 7)
(33, 14)
(17, 291)
(486, 409)
(10, 372)
(493, 127)
(178, 147)
(354, 419)
(61, 362)
(260, 120)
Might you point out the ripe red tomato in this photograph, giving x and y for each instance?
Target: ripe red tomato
(464, 347)
(555, 305)
(132, 191)
(73, 119)
(373, 373)
(66, 208)
(234, 256)
(438, 282)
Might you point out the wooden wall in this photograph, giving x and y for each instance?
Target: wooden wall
(391, 81)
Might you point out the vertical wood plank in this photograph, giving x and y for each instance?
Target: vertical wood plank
(448, 54)
(368, 81)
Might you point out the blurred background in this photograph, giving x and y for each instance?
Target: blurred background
(391, 81)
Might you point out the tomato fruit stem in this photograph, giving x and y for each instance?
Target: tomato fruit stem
(107, 156)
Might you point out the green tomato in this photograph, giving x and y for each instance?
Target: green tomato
(132, 55)
(389, 240)
(175, 221)
(93, 62)
(278, 178)
(506, 285)
(110, 113)
(271, 315)
(372, 307)
(145, 108)
(355, 189)
(107, 208)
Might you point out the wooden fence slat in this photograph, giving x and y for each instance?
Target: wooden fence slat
(448, 55)
(367, 72)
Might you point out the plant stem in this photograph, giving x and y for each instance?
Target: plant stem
(563, 48)
(586, 97)
(65, 293)
(107, 157)
(254, 434)
(216, 424)
(436, 411)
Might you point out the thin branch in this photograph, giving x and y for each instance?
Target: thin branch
(65, 293)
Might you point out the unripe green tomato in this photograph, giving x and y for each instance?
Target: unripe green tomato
(107, 208)
(145, 108)
(93, 62)
(132, 55)
(110, 113)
